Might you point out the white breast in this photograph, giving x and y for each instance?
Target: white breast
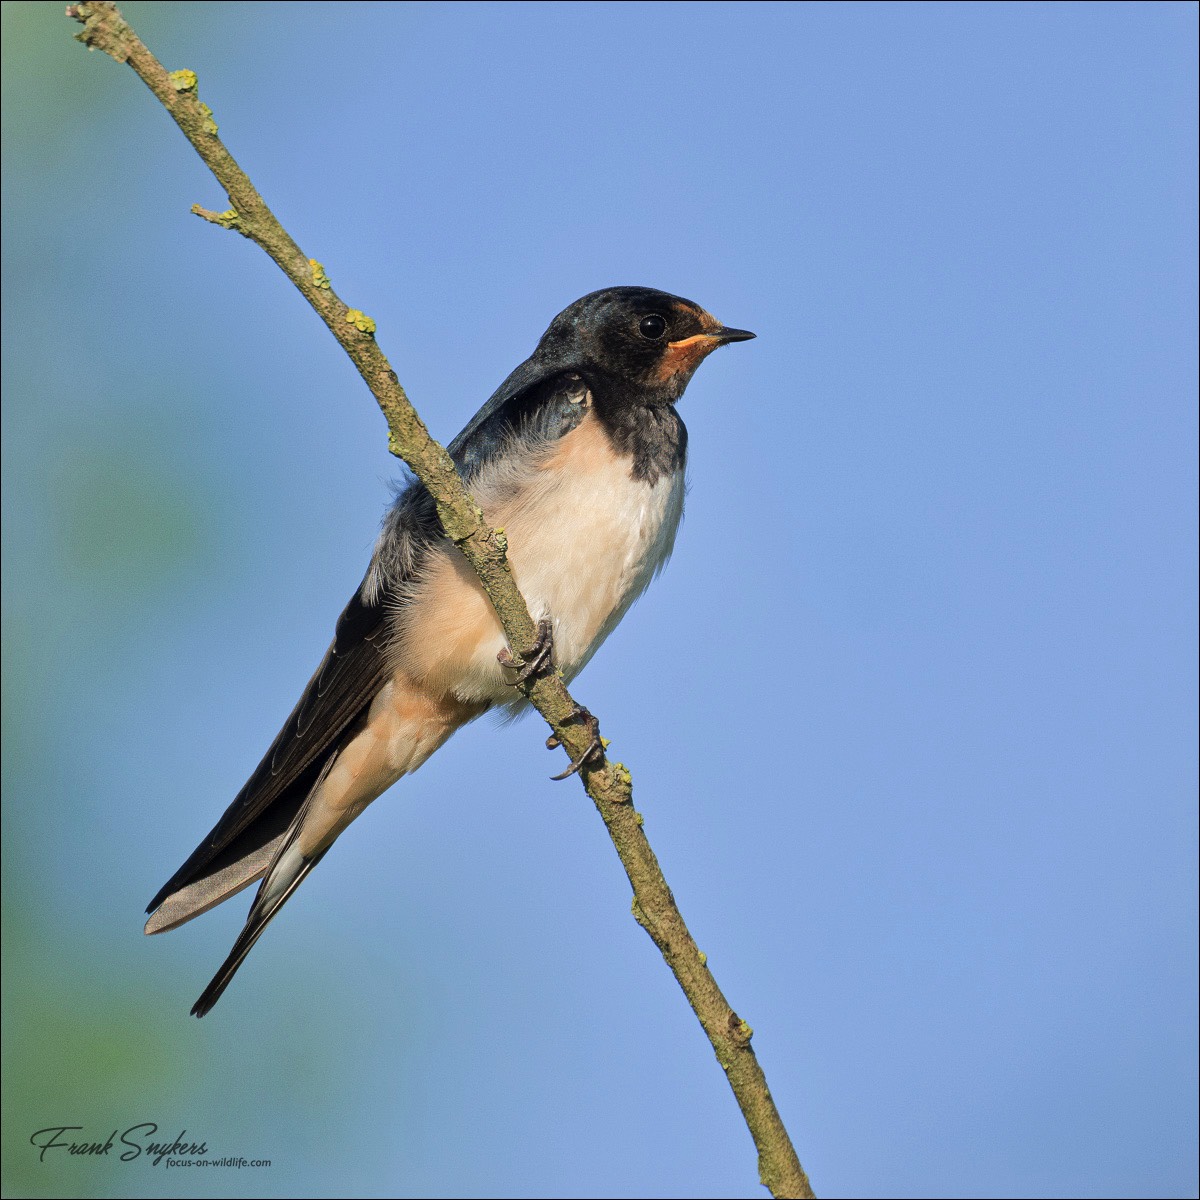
(584, 540)
(587, 547)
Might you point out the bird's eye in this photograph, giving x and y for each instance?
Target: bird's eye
(652, 327)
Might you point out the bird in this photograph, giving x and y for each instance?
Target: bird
(579, 457)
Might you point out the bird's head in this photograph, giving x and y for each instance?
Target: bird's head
(642, 338)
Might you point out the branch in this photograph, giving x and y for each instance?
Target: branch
(609, 784)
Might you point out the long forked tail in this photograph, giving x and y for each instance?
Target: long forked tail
(285, 876)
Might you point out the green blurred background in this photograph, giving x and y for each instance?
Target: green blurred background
(925, 782)
(115, 510)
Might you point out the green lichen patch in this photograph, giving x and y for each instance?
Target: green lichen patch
(229, 219)
(210, 126)
(319, 278)
(183, 81)
(360, 321)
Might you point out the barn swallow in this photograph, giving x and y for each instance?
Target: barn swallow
(579, 456)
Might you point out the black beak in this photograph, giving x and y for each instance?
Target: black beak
(733, 335)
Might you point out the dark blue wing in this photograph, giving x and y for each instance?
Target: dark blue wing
(353, 670)
(537, 395)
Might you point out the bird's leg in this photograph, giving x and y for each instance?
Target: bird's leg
(595, 748)
(541, 657)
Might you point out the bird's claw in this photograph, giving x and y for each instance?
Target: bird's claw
(539, 659)
(594, 751)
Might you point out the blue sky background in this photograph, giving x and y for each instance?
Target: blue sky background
(911, 714)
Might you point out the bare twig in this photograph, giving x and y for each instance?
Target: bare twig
(608, 783)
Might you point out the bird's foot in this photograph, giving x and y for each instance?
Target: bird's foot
(539, 660)
(595, 748)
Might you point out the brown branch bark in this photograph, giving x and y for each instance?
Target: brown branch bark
(609, 784)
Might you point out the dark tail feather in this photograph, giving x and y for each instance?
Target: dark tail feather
(273, 893)
(266, 827)
(225, 876)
